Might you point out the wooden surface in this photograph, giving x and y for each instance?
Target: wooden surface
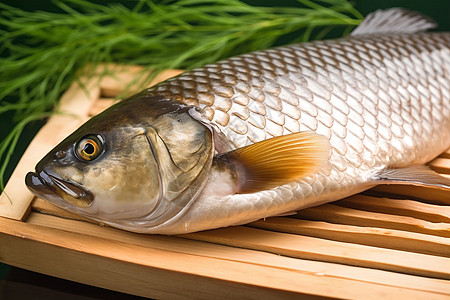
(391, 242)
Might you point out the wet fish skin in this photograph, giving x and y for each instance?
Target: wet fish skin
(360, 83)
(381, 100)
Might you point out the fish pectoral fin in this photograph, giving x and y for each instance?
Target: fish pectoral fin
(278, 160)
(419, 175)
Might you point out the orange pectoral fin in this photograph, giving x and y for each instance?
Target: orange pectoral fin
(278, 160)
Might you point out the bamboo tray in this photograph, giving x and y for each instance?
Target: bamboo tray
(391, 242)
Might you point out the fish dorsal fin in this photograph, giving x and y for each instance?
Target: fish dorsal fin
(278, 160)
(418, 175)
(394, 20)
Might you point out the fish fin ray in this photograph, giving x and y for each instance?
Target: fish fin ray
(394, 20)
(278, 160)
(286, 214)
(419, 175)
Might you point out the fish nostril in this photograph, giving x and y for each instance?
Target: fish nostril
(60, 154)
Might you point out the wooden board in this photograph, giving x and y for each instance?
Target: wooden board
(390, 242)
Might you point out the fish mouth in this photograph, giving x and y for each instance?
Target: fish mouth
(55, 189)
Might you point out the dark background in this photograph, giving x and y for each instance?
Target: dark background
(20, 284)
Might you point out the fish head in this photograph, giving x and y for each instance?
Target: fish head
(139, 163)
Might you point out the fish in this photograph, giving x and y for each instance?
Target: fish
(263, 134)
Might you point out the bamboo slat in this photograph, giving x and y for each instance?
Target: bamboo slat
(441, 165)
(371, 236)
(414, 193)
(145, 271)
(305, 247)
(391, 242)
(343, 215)
(446, 154)
(122, 80)
(193, 247)
(415, 209)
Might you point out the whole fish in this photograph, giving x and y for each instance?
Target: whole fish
(263, 134)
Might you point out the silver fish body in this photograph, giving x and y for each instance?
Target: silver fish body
(383, 101)
(380, 99)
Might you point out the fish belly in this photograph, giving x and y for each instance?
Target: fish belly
(381, 100)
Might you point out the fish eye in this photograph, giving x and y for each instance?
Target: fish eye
(89, 148)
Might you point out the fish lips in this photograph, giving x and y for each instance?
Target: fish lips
(56, 189)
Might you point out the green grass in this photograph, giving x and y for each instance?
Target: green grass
(42, 52)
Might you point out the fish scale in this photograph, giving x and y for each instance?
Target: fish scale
(377, 109)
(397, 119)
